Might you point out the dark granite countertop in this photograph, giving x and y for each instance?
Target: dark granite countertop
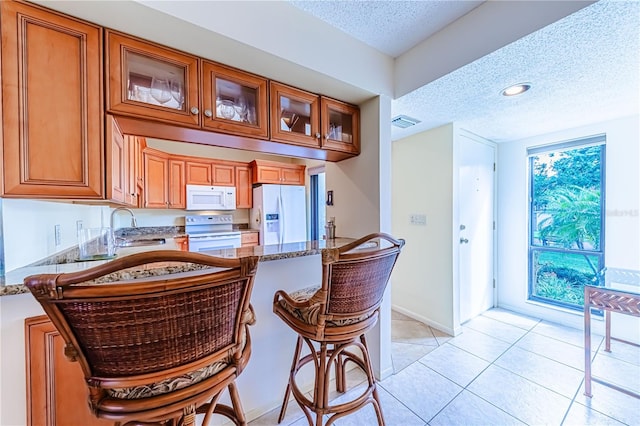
(12, 282)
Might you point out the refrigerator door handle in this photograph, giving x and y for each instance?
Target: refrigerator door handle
(281, 219)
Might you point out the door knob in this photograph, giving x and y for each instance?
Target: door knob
(463, 241)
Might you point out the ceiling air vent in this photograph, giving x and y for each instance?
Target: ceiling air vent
(404, 121)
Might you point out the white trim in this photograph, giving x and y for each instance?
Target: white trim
(315, 170)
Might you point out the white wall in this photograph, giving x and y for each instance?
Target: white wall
(422, 182)
(28, 228)
(622, 221)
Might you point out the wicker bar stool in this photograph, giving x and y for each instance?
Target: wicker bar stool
(157, 349)
(333, 318)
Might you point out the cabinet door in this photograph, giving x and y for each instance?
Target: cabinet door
(131, 196)
(52, 117)
(234, 101)
(295, 116)
(56, 391)
(249, 239)
(244, 189)
(223, 174)
(177, 189)
(266, 174)
(198, 173)
(340, 126)
(156, 172)
(151, 81)
(293, 175)
(116, 163)
(182, 243)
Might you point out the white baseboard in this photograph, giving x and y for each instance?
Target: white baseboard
(452, 332)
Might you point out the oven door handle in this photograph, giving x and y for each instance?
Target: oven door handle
(213, 238)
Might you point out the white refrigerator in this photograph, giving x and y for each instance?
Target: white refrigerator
(280, 213)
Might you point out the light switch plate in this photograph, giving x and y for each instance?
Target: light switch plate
(418, 219)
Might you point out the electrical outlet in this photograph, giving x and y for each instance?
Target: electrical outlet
(56, 234)
(418, 219)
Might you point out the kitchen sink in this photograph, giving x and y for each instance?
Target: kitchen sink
(141, 242)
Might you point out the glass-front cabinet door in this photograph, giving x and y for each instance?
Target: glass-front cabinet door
(295, 116)
(340, 126)
(234, 101)
(152, 81)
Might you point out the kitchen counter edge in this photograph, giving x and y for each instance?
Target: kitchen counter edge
(12, 282)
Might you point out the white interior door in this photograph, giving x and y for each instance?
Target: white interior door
(476, 254)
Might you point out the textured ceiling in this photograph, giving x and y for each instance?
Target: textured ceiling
(584, 68)
(392, 27)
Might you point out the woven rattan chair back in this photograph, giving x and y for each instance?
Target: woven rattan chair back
(155, 348)
(356, 282)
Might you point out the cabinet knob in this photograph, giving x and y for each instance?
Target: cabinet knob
(208, 113)
(326, 136)
(318, 135)
(194, 110)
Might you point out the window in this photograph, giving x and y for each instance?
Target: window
(566, 237)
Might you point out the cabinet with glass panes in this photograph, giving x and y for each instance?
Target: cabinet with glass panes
(151, 81)
(304, 118)
(340, 123)
(235, 101)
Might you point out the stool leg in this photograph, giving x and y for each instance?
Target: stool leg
(237, 405)
(294, 367)
(341, 384)
(372, 381)
(321, 393)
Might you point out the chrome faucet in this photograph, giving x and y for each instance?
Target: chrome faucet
(134, 222)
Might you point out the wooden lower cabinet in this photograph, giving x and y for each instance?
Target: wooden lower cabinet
(182, 243)
(56, 390)
(250, 238)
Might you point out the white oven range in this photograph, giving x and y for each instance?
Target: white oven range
(211, 232)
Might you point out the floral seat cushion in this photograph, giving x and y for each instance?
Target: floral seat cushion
(309, 315)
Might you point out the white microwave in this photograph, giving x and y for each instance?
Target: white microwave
(206, 197)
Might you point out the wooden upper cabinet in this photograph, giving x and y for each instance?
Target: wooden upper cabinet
(244, 187)
(156, 180)
(151, 81)
(223, 174)
(52, 116)
(264, 171)
(234, 101)
(117, 172)
(177, 198)
(198, 173)
(209, 172)
(295, 116)
(340, 123)
(122, 166)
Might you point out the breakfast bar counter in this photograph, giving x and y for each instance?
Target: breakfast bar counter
(11, 283)
(285, 267)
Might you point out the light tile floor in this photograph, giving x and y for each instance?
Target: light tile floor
(504, 369)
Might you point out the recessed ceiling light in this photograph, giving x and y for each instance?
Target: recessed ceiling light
(516, 89)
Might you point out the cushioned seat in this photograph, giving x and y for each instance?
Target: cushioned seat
(160, 348)
(333, 317)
